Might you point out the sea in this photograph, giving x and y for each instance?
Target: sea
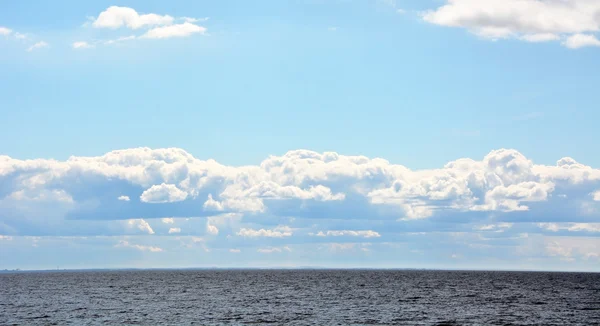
(299, 297)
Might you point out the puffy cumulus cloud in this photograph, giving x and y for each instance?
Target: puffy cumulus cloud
(173, 183)
(38, 45)
(581, 40)
(178, 30)
(140, 225)
(126, 244)
(157, 26)
(596, 195)
(168, 220)
(529, 20)
(115, 17)
(278, 232)
(349, 233)
(163, 193)
(174, 230)
(123, 198)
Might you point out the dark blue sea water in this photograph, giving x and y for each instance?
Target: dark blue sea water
(299, 297)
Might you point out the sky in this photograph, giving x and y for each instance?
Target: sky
(447, 134)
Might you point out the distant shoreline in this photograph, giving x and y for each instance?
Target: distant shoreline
(15, 271)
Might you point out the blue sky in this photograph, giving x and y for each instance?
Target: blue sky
(300, 133)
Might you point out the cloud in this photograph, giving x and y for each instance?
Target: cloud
(571, 249)
(126, 244)
(542, 37)
(341, 233)
(235, 251)
(278, 232)
(581, 40)
(120, 39)
(178, 30)
(500, 227)
(171, 183)
(174, 230)
(168, 220)
(529, 20)
(82, 45)
(211, 229)
(596, 195)
(37, 45)
(141, 225)
(123, 198)
(115, 17)
(194, 20)
(572, 227)
(271, 250)
(163, 193)
(5, 238)
(156, 26)
(5, 31)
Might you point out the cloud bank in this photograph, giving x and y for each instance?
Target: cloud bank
(167, 200)
(574, 21)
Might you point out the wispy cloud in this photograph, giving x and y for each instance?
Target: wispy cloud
(38, 45)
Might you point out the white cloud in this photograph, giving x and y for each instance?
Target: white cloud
(37, 45)
(341, 233)
(573, 248)
(42, 195)
(163, 193)
(174, 230)
(572, 227)
(168, 220)
(271, 250)
(211, 204)
(542, 37)
(235, 251)
(278, 232)
(126, 244)
(211, 229)
(581, 40)
(299, 183)
(120, 39)
(194, 20)
(123, 198)
(82, 45)
(5, 237)
(19, 36)
(115, 17)
(529, 20)
(596, 195)
(141, 225)
(500, 227)
(5, 31)
(177, 30)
